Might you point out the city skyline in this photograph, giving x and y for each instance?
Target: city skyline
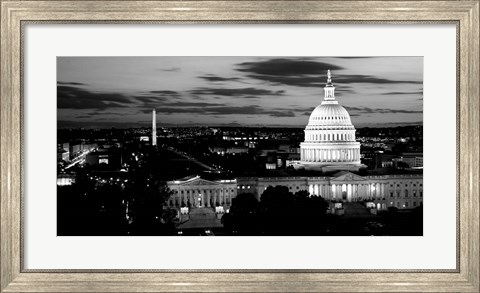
(103, 92)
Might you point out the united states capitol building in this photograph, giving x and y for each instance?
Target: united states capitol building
(331, 149)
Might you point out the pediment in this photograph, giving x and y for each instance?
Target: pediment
(348, 177)
(199, 181)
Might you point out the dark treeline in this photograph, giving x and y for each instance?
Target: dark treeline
(279, 212)
(87, 208)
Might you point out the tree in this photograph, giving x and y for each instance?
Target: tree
(242, 218)
(276, 208)
(147, 197)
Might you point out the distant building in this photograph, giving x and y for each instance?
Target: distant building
(65, 179)
(411, 161)
(64, 146)
(62, 155)
(237, 150)
(112, 158)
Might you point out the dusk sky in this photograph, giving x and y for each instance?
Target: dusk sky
(242, 91)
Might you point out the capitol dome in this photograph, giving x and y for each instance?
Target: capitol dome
(330, 142)
(329, 114)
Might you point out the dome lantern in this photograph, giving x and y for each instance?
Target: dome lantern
(329, 89)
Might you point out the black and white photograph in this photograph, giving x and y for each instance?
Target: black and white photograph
(240, 146)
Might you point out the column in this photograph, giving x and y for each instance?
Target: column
(207, 198)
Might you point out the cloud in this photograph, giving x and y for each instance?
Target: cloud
(98, 113)
(154, 98)
(99, 124)
(219, 109)
(302, 81)
(149, 99)
(215, 78)
(403, 93)
(282, 114)
(354, 57)
(381, 111)
(306, 73)
(286, 67)
(171, 69)
(69, 97)
(69, 83)
(357, 78)
(236, 92)
(165, 93)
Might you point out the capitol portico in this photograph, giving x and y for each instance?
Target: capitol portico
(330, 137)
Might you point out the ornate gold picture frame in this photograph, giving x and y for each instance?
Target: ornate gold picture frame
(465, 14)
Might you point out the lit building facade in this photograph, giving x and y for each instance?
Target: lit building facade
(400, 191)
(330, 137)
(196, 192)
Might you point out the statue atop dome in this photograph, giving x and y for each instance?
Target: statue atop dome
(329, 88)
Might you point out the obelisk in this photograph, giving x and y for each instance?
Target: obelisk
(154, 127)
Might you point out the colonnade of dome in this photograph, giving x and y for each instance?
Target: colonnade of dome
(329, 135)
